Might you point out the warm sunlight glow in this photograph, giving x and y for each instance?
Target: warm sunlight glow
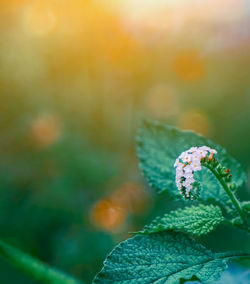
(39, 18)
(189, 65)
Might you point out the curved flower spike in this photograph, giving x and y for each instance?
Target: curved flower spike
(188, 163)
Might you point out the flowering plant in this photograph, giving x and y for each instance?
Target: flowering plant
(169, 249)
(165, 251)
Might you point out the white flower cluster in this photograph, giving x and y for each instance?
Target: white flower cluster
(188, 163)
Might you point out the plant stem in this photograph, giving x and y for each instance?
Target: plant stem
(229, 193)
(234, 254)
(33, 267)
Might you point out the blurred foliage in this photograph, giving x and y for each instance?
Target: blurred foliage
(75, 76)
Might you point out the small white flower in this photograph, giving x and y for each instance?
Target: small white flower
(182, 155)
(188, 175)
(178, 176)
(177, 162)
(196, 156)
(187, 184)
(188, 187)
(188, 169)
(202, 153)
(187, 158)
(193, 149)
(196, 167)
(179, 171)
(190, 180)
(204, 148)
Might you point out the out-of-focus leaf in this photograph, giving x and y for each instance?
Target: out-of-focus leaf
(33, 267)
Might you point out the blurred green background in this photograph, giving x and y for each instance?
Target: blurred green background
(75, 78)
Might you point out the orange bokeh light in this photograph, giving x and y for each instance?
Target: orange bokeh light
(108, 214)
(45, 130)
(131, 196)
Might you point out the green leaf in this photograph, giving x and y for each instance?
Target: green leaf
(165, 257)
(195, 220)
(33, 267)
(158, 147)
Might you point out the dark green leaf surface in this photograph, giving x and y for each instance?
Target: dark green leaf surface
(195, 220)
(158, 147)
(165, 257)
